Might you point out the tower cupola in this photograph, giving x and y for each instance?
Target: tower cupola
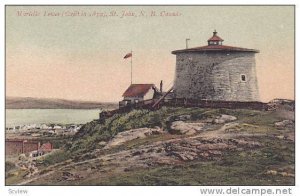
(215, 39)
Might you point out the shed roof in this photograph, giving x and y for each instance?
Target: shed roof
(137, 90)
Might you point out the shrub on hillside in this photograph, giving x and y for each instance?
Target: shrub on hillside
(56, 157)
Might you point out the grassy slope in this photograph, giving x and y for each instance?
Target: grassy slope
(242, 168)
(92, 133)
(235, 168)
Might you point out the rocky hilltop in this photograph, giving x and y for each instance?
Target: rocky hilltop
(176, 146)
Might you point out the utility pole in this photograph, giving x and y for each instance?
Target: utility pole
(186, 42)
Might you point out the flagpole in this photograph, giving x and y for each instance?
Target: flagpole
(131, 67)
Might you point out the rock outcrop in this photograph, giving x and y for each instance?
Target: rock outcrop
(181, 127)
(132, 134)
(224, 119)
(284, 124)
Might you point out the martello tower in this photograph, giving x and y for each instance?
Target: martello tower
(216, 72)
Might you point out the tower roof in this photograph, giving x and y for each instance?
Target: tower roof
(221, 48)
(215, 45)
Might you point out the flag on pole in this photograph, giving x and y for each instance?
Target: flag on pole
(128, 55)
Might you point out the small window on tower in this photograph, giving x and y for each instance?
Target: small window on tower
(243, 77)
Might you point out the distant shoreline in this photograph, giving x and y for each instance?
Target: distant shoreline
(46, 103)
(17, 117)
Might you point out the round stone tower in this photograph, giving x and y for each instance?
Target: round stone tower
(216, 72)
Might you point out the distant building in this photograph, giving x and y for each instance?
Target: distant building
(43, 149)
(18, 146)
(216, 72)
(46, 147)
(138, 92)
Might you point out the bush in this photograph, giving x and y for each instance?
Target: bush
(56, 157)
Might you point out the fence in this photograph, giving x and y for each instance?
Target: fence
(183, 102)
(215, 104)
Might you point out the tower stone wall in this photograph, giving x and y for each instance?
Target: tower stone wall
(216, 75)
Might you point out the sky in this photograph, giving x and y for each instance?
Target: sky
(76, 52)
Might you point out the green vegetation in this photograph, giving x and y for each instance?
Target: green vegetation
(58, 141)
(242, 168)
(236, 168)
(56, 157)
(92, 133)
(272, 162)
